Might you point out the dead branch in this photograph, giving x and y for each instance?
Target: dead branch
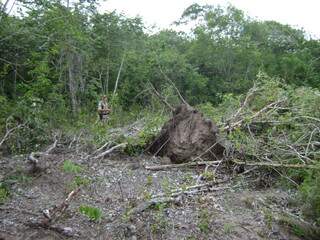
(173, 197)
(250, 93)
(272, 105)
(291, 221)
(97, 151)
(181, 165)
(52, 216)
(179, 191)
(110, 150)
(66, 231)
(207, 150)
(33, 157)
(56, 212)
(265, 164)
(174, 86)
(162, 99)
(101, 148)
(9, 131)
(53, 146)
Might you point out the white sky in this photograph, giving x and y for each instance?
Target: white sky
(301, 14)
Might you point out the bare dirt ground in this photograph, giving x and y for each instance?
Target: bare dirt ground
(118, 183)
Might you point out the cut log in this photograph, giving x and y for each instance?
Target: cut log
(186, 136)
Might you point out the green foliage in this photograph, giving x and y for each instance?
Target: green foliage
(299, 228)
(268, 217)
(57, 61)
(160, 222)
(4, 193)
(79, 181)
(70, 167)
(93, 213)
(209, 176)
(204, 221)
(310, 195)
(228, 228)
(149, 180)
(152, 123)
(20, 177)
(166, 186)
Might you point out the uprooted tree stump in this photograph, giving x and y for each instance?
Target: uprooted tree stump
(187, 136)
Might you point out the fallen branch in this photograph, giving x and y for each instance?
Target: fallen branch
(294, 222)
(51, 216)
(97, 151)
(187, 190)
(160, 97)
(66, 231)
(110, 150)
(250, 93)
(181, 165)
(9, 131)
(54, 214)
(264, 109)
(264, 164)
(53, 146)
(173, 197)
(34, 157)
(174, 86)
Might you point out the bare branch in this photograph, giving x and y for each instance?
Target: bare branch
(110, 150)
(182, 165)
(172, 83)
(9, 131)
(265, 164)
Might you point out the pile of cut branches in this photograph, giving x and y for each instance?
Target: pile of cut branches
(276, 124)
(275, 128)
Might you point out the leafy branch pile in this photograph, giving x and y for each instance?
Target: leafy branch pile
(276, 124)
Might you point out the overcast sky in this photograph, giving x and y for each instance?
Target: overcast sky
(299, 13)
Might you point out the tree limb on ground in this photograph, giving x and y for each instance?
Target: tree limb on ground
(232, 126)
(172, 197)
(181, 165)
(51, 216)
(307, 230)
(265, 164)
(9, 131)
(33, 157)
(110, 150)
(250, 93)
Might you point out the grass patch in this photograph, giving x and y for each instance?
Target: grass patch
(70, 167)
(93, 213)
(4, 193)
(204, 221)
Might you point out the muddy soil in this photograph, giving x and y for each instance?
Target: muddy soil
(119, 183)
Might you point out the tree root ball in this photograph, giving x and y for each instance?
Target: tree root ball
(186, 136)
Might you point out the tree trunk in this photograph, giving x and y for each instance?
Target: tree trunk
(72, 85)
